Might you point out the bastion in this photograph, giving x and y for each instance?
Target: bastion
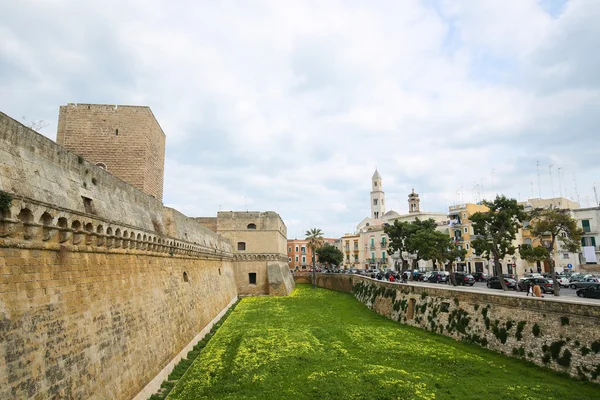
(102, 288)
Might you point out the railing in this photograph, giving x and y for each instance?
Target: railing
(383, 245)
(372, 247)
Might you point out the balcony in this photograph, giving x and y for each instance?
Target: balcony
(372, 247)
(356, 249)
(383, 245)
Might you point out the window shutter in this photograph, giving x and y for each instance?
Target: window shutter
(593, 241)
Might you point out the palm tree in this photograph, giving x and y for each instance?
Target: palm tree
(315, 240)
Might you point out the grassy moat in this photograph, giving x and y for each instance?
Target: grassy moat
(320, 344)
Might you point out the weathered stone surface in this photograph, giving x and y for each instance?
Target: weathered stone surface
(281, 281)
(561, 335)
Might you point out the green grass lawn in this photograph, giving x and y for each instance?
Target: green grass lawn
(320, 344)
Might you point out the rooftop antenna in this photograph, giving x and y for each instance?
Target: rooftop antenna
(493, 186)
(482, 191)
(462, 195)
(539, 184)
(559, 184)
(596, 195)
(576, 191)
(532, 189)
(551, 183)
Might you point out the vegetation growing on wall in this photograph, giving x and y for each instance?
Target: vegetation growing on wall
(5, 200)
(460, 320)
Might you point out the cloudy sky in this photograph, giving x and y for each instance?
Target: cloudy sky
(290, 106)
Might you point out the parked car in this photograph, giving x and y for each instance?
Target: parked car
(494, 283)
(532, 275)
(425, 276)
(480, 276)
(584, 283)
(439, 277)
(563, 281)
(545, 284)
(462, 278)
(591, 292)
(510, 276)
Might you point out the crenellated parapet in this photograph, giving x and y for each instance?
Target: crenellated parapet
(28, 223)
(259, 257)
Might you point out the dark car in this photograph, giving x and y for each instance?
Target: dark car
(545, 284)
(438, 277)
(510, 276)
(480, 276)
(583, 283)
(591, 292)
(494, 283)
(463, 278)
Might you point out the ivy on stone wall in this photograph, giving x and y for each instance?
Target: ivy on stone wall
(444, 315)
(5, 200)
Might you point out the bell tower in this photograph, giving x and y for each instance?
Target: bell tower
(377, 197)
(413, 202)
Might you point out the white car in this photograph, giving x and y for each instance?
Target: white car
(562, 281)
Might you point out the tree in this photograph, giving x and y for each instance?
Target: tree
(329, 254)
(397, 235)
(552, 224)
(447, 253)
(533, 254)
(496, 229)
(422, 241)
(414, 237)
(315, 240)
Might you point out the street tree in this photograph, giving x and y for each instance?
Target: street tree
(421, 241)
(315, 241)
(496, 229)
(415, 237)
(533, 254)
(551, 225)
(447, 252)
(397, 234)
(329, 254)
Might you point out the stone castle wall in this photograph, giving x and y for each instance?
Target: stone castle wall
(100, 286)
(127, 139)
(553, 333)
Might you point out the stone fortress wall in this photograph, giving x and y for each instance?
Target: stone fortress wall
(101, 287)
(553, 333)
(259, 241)
(127, 140)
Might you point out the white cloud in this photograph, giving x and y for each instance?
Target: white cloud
(289, 106)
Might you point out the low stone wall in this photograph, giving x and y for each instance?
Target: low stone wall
(561, 335)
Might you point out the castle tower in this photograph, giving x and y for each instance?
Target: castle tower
(127, 141)
(413, 202)
(377, 197)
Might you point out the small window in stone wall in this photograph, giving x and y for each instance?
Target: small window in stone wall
(252, 278)
(88, 205)
(251, 226)
(241, 245)
(219, 271)
(101, 165)
(185, 277)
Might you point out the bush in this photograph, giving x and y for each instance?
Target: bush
(536, 330)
